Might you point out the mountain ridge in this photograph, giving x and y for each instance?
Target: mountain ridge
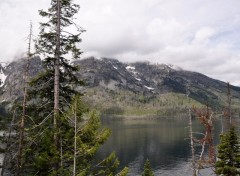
(154, 78)
(110, 83)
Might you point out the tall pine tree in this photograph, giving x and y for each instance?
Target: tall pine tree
(54, 87)
(55, 43)
(57, 145)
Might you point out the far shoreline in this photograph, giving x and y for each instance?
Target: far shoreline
(140, 117)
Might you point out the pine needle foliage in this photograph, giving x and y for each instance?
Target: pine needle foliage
(62, 143)
(89, 137)
(46, 47)
(228, 163)
(42, 154)
(57, 46)
(147, 169)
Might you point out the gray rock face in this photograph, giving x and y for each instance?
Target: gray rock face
(140, 77)
(152, 79)
(12, 87)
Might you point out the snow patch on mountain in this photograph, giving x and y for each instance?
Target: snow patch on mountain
(149, 88)
(2, 75)
(130, 68)
(2, 79)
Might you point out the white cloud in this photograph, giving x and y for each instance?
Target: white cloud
(15, 17)
(167, 32)
(203, 35)
(198, 35)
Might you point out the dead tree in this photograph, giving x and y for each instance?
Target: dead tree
(191, 134)
(205, 118)
(56, 78)
(24, 105)
(227, 114)
(192, 142)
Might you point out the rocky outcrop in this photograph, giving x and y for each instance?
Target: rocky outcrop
(12, 86)
(139, 78)
(150, 78)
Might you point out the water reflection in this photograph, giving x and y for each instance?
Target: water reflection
(164, 142)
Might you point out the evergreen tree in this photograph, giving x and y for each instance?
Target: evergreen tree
(82, 137)
(13, 159)
(51, 35)
(62, 140)
(147, 169)
(24, 105)
(53, 89)
(228, 163)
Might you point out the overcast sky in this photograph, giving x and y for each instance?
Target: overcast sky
(197, 35)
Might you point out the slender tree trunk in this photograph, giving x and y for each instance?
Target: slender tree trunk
(229, 107)
(75, 138)
(192, 143)
(227, 112)
(61, 152)
(222, 124)
(56, 68)
(191, 134)
(21, 126)
(56, 80)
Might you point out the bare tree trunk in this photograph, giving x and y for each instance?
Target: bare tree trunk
(201, 155)
(229, 106)
(203, 147)
(192, 143)
(61, 152)
(222, 124)
(227, 112)
(56, 68)
(21, 126)
(75, 139)
(56, 79)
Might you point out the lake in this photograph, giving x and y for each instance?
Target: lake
(164, 142)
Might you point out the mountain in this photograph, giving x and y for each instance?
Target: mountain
(130, 88)
(11, 76)
(153, 79)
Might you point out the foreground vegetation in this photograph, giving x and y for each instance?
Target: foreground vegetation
(228, 162)
(56, 133)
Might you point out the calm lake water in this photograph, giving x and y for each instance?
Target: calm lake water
(164, 142)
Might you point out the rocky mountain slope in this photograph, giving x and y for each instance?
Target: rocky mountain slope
(153, 79)
(11, 76)
(117, 87)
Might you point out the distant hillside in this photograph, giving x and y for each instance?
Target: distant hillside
(131, 88)
(150, 83)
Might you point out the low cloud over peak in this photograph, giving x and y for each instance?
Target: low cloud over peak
(196, 35)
